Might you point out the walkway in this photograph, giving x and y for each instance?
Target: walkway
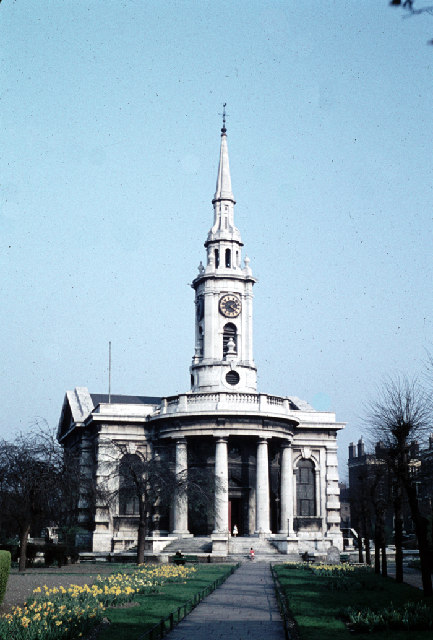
(243, 608)
(410, 576)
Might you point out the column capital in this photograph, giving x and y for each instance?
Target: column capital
(223, 439)
(180, 440)
(286, 444)
(263, 439)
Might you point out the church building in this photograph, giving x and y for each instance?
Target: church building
(274, 458)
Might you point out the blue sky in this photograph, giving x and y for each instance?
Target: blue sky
(109, 141)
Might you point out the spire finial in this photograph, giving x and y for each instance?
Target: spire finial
(223, 130)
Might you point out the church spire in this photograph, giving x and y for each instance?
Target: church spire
(224, 183)
(223, 227)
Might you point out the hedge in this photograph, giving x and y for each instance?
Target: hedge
(5, 565)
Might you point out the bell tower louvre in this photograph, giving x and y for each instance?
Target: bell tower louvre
(272, 461)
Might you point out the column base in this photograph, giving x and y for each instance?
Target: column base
(182, 534)
(287, 532)
(226, 533)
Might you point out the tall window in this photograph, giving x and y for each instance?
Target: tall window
(305, 489)
(130, 465)
(228, 258)
(217, 258)
(229, 332)
(200, 340)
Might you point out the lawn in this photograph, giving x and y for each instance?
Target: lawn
(131, 622)
(317, 602)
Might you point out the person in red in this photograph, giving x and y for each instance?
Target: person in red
(251, 554)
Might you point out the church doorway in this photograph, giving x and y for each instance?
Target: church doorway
(236, 515)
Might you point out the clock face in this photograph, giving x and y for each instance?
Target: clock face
(230, 306)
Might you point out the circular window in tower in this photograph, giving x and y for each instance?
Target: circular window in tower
(232, 378)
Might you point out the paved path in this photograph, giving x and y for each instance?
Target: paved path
(410, 576)
(243, 608)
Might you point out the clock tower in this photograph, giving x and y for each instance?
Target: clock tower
(223, 357)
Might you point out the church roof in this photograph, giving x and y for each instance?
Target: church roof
(102, 398)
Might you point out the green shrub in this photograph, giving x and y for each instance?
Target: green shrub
(13, 547)
(54, 554)
(5, 565)
(31, 552)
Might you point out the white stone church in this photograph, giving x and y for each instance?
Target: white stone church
(275, 457)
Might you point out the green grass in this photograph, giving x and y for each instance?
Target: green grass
(317, 610)
(132, 622)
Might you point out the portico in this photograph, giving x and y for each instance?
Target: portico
(272, 436)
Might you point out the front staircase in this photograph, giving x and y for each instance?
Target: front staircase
(190, 546)
(238, 548)
(263, 548)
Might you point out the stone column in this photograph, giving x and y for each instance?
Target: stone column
(181, 499)
(105, 480)
(221, 487)
(86, 465)
(262, 488)
(286, 525)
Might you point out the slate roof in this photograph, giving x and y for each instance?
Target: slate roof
(98, 398)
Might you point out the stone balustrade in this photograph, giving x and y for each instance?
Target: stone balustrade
(254, 402)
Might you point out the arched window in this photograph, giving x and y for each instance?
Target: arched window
(130, 468)
(228, 258)
(229, 332)
(217, 258)
(305, 489)
(200, 341)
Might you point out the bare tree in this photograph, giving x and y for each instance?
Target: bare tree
(399, 415)
(148, 484)
(33, 481)
(377, 486)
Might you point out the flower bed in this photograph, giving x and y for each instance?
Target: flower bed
(356, 600)
(70, 612)
(409, 616)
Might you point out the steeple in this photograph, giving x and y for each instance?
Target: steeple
(223, 201)
(224, 183)
(223, 358)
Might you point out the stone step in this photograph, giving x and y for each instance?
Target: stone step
(190, 546)
(242, 545)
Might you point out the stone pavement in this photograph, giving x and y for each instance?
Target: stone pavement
(243, 608)
(410, 576)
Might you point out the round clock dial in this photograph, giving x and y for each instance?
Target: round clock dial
(230, 306)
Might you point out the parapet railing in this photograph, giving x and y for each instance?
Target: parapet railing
(167, 624)
(185, 402)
